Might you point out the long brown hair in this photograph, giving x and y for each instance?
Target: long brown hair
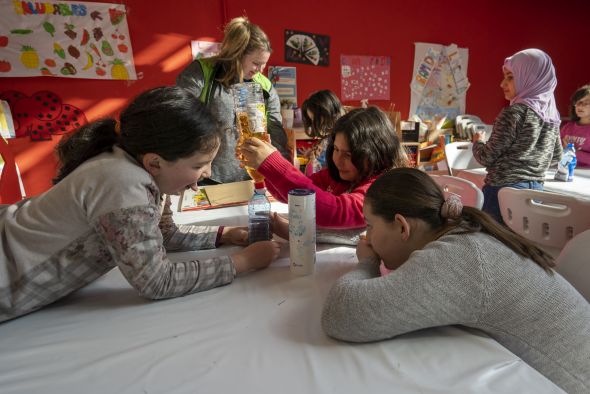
(414, 194)
(326, 109)
(169, 121)
(240, 38)
(577, 96)
(374, 144)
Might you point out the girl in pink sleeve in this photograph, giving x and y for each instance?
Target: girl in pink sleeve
(364, 144)
(577, 131)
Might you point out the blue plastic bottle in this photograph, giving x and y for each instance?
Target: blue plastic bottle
(259, 215)
(567, 164)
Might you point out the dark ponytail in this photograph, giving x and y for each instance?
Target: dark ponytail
(169, 121)
(90, 140)
(414, 194)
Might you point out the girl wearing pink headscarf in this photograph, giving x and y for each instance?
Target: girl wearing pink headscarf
(525, 136)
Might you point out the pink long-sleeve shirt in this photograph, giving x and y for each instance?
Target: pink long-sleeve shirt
(336, 204)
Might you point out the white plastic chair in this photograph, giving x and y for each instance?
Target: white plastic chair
(459, 156)
(470, 194)
(573, 263)
(548, 219)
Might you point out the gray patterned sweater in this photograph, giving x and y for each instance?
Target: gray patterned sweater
(520, 148)
(225, 167)
(475, 281)
(104, 214)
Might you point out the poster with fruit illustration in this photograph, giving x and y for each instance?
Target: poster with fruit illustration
(66, 39)
(365, 77)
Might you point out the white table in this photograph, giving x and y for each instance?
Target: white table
(261, 334)
(579, 187)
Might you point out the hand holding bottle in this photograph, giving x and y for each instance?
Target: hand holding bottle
(256, 256)
(254, 151)
(234, 236)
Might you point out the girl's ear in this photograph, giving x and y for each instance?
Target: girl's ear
(152, 163)
(405, 227)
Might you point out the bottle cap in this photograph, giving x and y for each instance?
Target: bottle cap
(259, 185)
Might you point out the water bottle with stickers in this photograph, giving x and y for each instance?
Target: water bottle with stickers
(567, 164)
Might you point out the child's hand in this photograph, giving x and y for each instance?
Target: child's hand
(254, 151)
(480, 135)
(256, 256)
(234, 235)
(365, 250)
(279, 225)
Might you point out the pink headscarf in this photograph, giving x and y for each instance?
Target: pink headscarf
(535, 82)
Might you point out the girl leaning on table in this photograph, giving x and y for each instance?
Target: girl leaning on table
(525, 136)
(104, 210)
(456, 265)
(364, 144)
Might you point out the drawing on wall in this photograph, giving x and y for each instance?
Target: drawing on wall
(307, 48)
(69, 40)
(364, 77)
(439, 83)
(202, 49)
(42, 114)
(284, 80)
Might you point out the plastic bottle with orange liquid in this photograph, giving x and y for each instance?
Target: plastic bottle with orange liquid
(250, 117)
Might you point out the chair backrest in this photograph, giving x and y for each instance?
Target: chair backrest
(470, 194)
(459, 156)
(548, 219)
(573, 263)
(461, 121)
(10, 191)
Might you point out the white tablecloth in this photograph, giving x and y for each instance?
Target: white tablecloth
(260, 334)
(579, 187)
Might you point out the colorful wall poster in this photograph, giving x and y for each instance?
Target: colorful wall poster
(439, 82)
(364, 77)
(42, 114)
(284, 80)
(66, 39)
(307, 48)
(201, 49)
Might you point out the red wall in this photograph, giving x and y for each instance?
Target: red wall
(491, 30)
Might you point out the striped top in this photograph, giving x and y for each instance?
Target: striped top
(520, 148)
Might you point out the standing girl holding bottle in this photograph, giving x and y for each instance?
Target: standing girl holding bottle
(525, 136)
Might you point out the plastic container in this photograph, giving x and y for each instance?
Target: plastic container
(302, 231)
(250, 116)
(259, 215)
(567, 164)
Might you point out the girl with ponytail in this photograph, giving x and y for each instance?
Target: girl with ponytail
(105, 210)
(455, 265)
(245, 50)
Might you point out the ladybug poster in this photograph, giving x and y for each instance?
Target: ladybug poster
(65, 39)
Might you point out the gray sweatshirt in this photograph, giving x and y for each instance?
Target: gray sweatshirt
(476, 281)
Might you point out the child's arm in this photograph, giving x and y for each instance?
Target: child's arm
(344, 210)
(503, 135)
(186, 237)
(136, 245)
(426, 291)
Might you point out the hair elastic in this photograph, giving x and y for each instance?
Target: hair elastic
(452, 207)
